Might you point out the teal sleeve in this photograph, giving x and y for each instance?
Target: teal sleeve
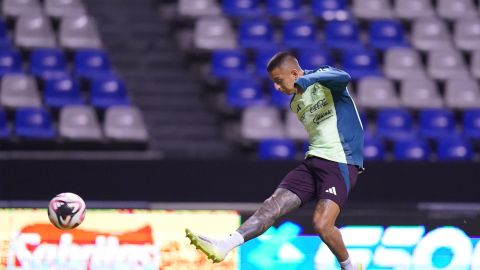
(333, 78)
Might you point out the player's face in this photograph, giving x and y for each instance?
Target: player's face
(284, 79)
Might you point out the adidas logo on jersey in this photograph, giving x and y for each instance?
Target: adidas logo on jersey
(331, 190)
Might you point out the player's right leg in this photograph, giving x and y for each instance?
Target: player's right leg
(281, 202)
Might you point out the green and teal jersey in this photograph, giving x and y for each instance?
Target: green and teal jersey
(329, 115)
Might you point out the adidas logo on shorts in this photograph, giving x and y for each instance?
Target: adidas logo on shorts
(331, 190)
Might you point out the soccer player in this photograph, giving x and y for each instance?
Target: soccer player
(332, 163)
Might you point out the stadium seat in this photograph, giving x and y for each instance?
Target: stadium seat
(411, 149)
(299, 34)
(395, 124)
(294, 128)
(376, 92)
(475, 64)
(34, 123)
(241, 8)
(462, 94)
(79, 123)
(4, 37)
(373, 148)
(446, 64)
(10, 61)
(471, 123)
(19, 90)
(125, 124)
(275, 149)
(91, 63)
(15, 8)
(279, 99)
(312, 59)
(456, 9)
(285, 9)
(242, 92)
(48, 63)
(361, 63)
(59, 92)
(79, 31)
(262, 56)
(212, 33)
(420, 93)
(108, 91)
(386, 34)
(372, 9)
(330, 10)
(256, 34)
(198, 8)
(61, 8)
(436, 123)
(412, 9)
(430, 34)
(4, 130)
(403, 63)
(342, 35)
(454, 149)
(261, 122)
(33, 30)
(228, 63)
(467, 34)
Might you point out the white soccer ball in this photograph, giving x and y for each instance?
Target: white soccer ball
(66, 211)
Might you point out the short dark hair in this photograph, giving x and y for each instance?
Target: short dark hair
(278, 59)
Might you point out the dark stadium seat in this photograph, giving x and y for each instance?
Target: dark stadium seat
(90, 63)
(48, 63)
(228, 63)
(386, 34)
(395, 124)
(373, 148)
(4, 39)
(471, 123)
(243, 92)
(241, 8)
(454, 148)
(331, 9)
(285, 9)
(411, 149)
(343, 35)
(108, 91)
(279, 99)
(436, 123)
(59, 92)
(4, 130)
(262, 56)
(361, 63)
(313, 59)
(10, 61)
(34, 123)
(299, 34)
(256, 34)
(276, 149)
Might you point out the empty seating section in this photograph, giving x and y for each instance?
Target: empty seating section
(415, 68)
(57, 83)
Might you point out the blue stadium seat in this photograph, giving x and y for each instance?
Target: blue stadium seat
(276, 149)
(385, 34)
(373, 148)
(256, 34)
(436, 123)
(285, 9)
(243, 92)
(299, 34)
(108, 91)
(342, 35)
(454, 148)
(361, 63)
(48, 63)
(261, 60)
(4, 132)
(331, 9)
(10, 62)
(471, 123)
(312, 59)
(228, 63)
(4, 39)
(279, 99)
(34, 123)
(395, 124)
(241, 8)
(59, 92)
(90, 63)
(411, 149)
